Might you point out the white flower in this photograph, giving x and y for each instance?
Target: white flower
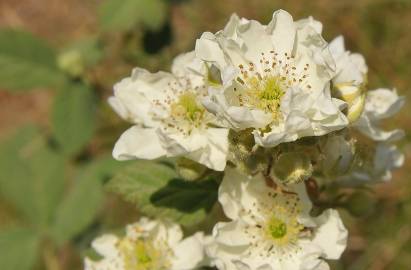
(274, 79)
(272, 230)
(168, 116)
(375, 164)
(149, 245)
(380, 104)
(351, 78)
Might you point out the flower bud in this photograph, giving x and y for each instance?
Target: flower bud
(190, 170)
(293, 167)
(354, 96)
(71, 62)
(338, 156)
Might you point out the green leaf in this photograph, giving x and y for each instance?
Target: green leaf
(124, 15)
(186, 196)
(32, 177)
(157, 191)
(73, 117)
(79, 208)
(15, 174)
(153, 13)
(26, 62)
(18, 249)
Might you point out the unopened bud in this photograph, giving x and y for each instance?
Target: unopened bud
(354, 96)
(190, 170)
(338, 157)
(293, 167)
(71, 62)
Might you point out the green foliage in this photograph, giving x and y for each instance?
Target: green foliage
(73, 117)
(158, 191)
(83, 200)
(186, 196)
(18, 249)
(124, 15)
(32, 176)
(26, 62)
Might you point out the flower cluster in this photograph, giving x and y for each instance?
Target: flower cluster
(280, 112)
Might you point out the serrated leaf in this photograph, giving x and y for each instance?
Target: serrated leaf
(26, 62)
(123, 15)
(32, 177)
(73, 117)
(153, 187)
(18, 249)
(79, 208)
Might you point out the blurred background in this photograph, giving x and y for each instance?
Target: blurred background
(59, 60)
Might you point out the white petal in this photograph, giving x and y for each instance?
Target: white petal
(371, 129)
(283, 32)
(337, 47)
(208, 49)
(383, 103)
(105, 245)
(138, 142)
(189, 253)
(331, 235)
(214, 155)
(311, 22)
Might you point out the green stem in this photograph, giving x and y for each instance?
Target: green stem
(50, 258)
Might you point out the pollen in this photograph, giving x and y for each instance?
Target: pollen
(181, 110)
(188, 108)
(282, 228)
(141, 255)
(277, 228)
(265, 94)
(262, 85)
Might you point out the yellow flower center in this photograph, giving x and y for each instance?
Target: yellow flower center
(277, 228)
(141, 255)
(265, 94)
(188, 108)
(282, 228)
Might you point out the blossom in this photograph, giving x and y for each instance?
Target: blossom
(271, 229)
(149, 245)
(380, 104)
(374, 164)
(350, 81)
(273, 78)
(169, 119)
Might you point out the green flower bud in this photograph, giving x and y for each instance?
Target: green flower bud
(190, 170)
(243, 154)
(71, 62)
(293, 167)
(339, 155)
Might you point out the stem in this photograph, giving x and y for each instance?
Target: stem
(50, 258)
